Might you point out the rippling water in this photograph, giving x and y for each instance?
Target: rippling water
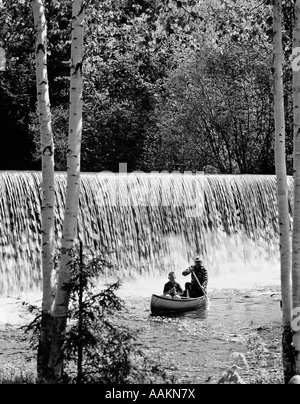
(200, 343)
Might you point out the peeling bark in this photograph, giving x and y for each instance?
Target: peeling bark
(47, 147)
(62, 297)
(43, 354)
(282, 192)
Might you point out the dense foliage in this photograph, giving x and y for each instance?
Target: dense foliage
(165, 83)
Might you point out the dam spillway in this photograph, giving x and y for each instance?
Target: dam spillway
(142, 223)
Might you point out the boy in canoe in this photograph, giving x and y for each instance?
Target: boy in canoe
(199, 274)
(172, 289)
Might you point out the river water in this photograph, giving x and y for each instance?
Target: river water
(200, 343)
(151, 224)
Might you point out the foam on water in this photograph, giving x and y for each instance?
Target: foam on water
(147, 285)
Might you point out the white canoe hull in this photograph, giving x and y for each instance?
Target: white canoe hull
(161, 305)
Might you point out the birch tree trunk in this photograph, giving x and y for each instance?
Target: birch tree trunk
(47, 150)
(282, 195)
(61, 303)
(296, 219)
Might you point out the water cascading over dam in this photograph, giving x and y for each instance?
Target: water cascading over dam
(143, 223)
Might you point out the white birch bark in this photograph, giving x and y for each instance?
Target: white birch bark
(47, 151)
(282, 193)
(47, 214)
(62, 297)
(296, 218)
(73, 160)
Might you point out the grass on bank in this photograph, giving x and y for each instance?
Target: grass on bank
(17, 375)
(255, 369)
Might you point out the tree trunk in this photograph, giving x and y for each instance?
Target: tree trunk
(80, 318)
(47, 150)
(43, 353)
(296, 219)
(282, 195)
(60, 310)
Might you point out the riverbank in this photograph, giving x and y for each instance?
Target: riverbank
(17, 359)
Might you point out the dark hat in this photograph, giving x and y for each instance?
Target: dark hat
(197, 259)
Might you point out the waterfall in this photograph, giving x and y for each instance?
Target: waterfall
(143, 223)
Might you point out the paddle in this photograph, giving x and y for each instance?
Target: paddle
(199, 284)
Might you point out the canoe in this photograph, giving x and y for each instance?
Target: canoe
(162, 305)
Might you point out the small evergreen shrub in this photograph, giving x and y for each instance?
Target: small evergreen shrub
(98, 349)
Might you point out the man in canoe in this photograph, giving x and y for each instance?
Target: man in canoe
(199, 274)
(172, 289)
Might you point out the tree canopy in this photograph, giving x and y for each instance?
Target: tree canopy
(165, 83)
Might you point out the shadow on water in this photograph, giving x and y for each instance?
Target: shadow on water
(197, 314)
